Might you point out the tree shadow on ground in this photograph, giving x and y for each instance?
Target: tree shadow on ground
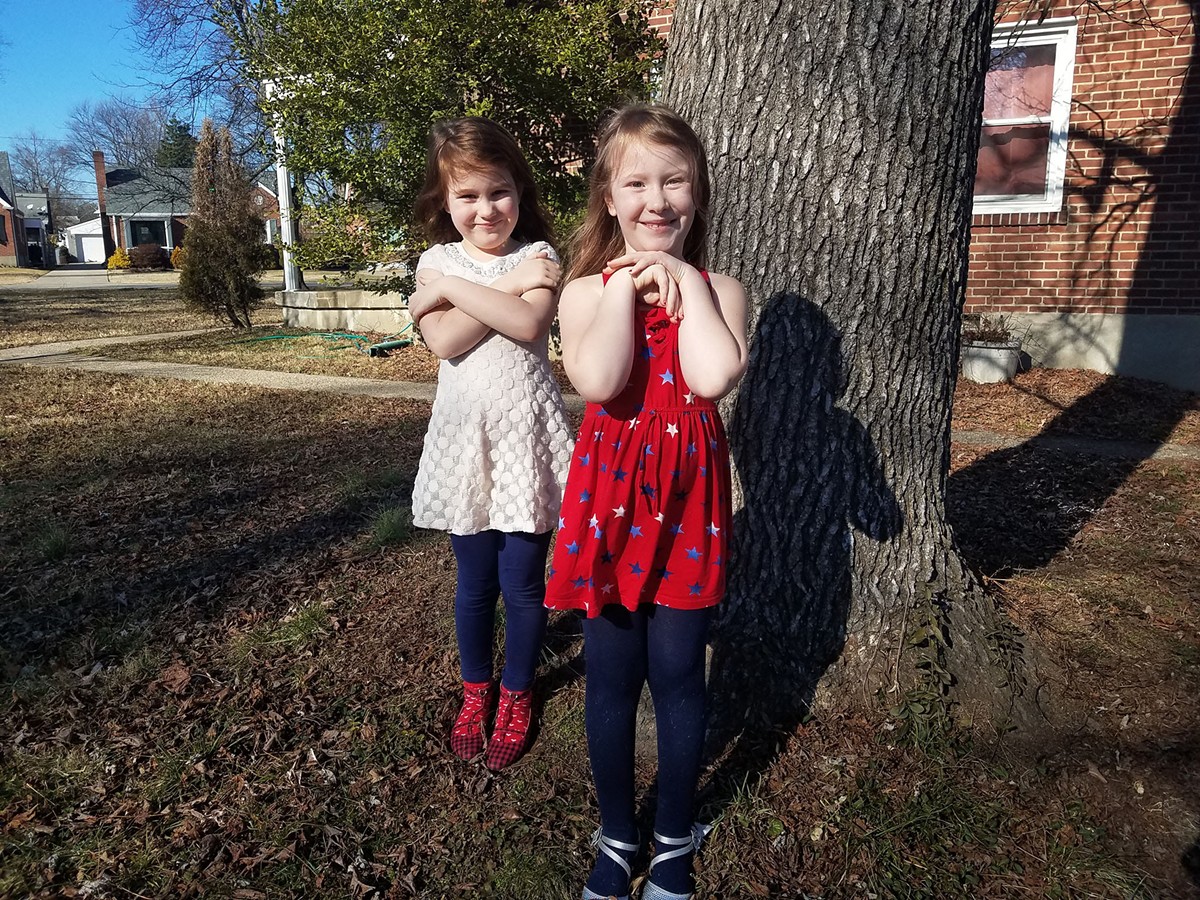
(1016, 509)
(195, 546)
(810, 479)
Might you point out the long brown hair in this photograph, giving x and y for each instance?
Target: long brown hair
(598, 239)
(471, 145)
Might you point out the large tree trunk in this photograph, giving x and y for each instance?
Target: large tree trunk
(842, 141)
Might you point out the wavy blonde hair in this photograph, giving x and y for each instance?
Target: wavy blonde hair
(598, 239)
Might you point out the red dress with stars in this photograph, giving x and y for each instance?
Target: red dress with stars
(646, 511)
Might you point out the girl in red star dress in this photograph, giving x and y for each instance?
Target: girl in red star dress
(650, 340)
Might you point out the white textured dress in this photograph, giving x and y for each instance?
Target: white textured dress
(499, 444)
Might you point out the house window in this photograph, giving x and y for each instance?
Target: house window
(3, 229)
(1026, 111)
(149, 233)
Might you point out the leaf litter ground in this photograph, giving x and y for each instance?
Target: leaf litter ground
(224, 677)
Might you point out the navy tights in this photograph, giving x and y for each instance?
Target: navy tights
(492, 563)
(624, 650)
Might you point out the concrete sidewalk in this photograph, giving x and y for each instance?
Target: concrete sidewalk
(60, 356)
(95, 276)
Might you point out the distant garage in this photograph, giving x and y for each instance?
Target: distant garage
(85, 241)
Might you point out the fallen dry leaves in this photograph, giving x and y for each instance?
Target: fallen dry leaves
(214, 686)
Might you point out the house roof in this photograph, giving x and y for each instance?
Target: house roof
(153, 192)
(7, 188)
(91, 226)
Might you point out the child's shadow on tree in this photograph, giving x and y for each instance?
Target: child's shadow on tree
(812, 483)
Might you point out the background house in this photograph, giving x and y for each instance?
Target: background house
(12, 222)
(1087, 202)
(1086, 226)
(39, 225)
(151, 206)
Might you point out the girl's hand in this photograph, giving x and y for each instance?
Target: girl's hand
(424, 300)
(531, 274)
(655, 287)
(640, 260)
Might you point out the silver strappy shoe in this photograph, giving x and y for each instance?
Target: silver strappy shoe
(609, 847)
(681, 845)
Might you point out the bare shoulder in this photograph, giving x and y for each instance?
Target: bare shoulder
(583, 289)
(724, 285)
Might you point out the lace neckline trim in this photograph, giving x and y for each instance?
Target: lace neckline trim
(462, 258)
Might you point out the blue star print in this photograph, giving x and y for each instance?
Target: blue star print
(647, 490)
(585, 459)
(676, 529)
(573, 547)
(606, 557)
(668, 377)
(693, 553)
(635, 569)
(635, 531)
(584, 496)
(619, 475)
(691, 449)
(695, 588)
(664, 573)
(579, 582)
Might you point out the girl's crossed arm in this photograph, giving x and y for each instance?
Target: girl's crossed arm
(712, 327)
(455, 314)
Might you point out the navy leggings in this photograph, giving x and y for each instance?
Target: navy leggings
(623, 650)
(492, 563)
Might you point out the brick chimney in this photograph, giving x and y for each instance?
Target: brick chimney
(110, 245)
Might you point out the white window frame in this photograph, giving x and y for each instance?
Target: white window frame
(1062, 33)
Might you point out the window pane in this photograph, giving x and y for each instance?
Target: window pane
(1012, 160)
(1020, 82)
(149, 233)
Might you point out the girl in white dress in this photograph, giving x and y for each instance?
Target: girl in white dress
(499, 443)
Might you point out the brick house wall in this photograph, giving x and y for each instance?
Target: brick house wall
(1109, 280)
(1112, 280)
(12, 230)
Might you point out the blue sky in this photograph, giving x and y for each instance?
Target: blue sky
(57, 55)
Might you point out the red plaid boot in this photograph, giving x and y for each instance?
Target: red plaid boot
(466, 737)
(511, 735)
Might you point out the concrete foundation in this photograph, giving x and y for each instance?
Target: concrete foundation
(1162, 348)
(344, 309)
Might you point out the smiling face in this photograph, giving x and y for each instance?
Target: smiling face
(651, 197)
(484, 205)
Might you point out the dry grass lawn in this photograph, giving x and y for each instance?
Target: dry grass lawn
(228, 669)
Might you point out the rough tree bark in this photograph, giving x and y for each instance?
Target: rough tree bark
(842, 142)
